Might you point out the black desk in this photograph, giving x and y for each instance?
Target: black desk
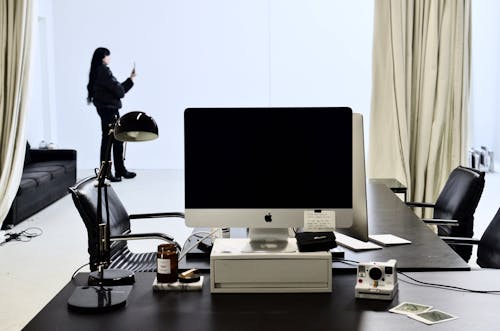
(388, 214)
(339, 310)
(393, 184)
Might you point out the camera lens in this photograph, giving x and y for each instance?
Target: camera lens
(375, 273)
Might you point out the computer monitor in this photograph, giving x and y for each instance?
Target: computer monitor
(359, 227)
(268, 168)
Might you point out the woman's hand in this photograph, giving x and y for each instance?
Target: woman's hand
(133, 74)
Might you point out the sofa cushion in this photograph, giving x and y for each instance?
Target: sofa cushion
(68, 165)
(26, 185)
(38, 176)
(54, 170)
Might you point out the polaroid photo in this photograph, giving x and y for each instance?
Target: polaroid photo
(407, 308)
(433, 316)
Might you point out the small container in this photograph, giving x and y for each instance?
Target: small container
(167, 263)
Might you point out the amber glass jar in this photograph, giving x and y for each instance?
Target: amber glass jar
(166, 263)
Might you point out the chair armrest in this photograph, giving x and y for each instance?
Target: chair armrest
(146, 235)
(420, 204)
(41, 155)
(140, 236)
(156, 215)
(439, 221)
(460, 241)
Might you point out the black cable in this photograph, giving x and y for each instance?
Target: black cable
(338, 259)
(181, 256)
(448, 287)
(24, 235)
(80, 268)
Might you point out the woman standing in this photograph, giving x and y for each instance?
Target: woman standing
(105, 92)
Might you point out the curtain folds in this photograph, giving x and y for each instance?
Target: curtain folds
(15, 48)
(420, 94)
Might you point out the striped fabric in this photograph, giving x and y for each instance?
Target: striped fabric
(136, 262)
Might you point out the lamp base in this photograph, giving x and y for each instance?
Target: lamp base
(112, 277)
(93, 299)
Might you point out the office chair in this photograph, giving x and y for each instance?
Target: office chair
(84, 194)
(455, 206)
(488, 249)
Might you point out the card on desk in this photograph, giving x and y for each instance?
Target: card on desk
(407, 308)
(433, 316)
(353, 243)
(388, 239)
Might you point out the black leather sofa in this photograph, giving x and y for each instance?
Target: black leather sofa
(47, 174)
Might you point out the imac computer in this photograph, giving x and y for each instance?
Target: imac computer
(267, 169)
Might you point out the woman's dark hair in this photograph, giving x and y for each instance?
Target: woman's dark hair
(99, 54)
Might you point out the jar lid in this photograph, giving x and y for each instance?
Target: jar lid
(167, 247)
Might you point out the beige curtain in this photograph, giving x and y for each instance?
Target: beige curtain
(420, 94)
(15, 43)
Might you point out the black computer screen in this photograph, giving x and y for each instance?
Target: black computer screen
(268, 157)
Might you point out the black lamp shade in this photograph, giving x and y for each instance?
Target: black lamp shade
(136, 126)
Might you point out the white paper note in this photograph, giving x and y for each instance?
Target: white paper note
(319, 220)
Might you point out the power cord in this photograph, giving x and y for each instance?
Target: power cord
(348, 262)
(196, 244)
(444, 286)
(417, 282)
(80, 268)
(24, 235)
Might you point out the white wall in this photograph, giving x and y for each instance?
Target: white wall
(321, 53)
(485, 84)
(42, 116)
(225, 53)
(207, 53)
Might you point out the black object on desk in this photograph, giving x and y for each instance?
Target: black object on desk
(202, 249)
(96, 299)
(315, 241)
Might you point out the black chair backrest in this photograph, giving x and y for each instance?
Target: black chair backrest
(84, 194)
(488, 250)
(458, 200)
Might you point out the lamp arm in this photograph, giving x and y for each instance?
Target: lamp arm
(157, 215)
(104, 231)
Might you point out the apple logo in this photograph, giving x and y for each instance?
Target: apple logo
(268, 218)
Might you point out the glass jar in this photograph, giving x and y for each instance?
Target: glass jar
(167, 263)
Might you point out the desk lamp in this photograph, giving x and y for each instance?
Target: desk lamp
(133, 126)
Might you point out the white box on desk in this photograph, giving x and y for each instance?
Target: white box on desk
(232, 271)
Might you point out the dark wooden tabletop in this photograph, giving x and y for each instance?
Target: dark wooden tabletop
(387, 214)
(339, 310)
